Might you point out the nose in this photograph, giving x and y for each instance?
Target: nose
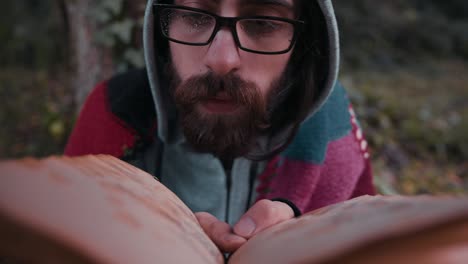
(222, 56)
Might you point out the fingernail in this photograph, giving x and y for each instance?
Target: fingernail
(231, 238)
(245, 227)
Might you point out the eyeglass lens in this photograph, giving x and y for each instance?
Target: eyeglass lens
(264, 35)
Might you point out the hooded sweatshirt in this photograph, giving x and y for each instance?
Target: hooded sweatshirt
(319, 157)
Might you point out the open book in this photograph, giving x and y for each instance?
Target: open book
(98, 209)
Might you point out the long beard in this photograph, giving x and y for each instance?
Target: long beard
(226, 135)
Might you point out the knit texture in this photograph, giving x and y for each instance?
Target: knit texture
(327, 162)
(97, 130)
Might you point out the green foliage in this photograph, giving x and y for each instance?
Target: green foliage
(417, 125)
(402, 32)
(117, 30)
(35, 113)
(28, 39)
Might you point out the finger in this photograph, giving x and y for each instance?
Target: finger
(263, 214)
(220, 233)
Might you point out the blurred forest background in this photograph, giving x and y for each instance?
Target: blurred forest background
(405, 64)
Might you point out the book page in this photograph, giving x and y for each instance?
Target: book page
(95, 209)
(337, 230)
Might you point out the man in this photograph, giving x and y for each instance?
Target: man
(238, 103)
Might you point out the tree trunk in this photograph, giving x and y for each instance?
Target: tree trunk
(92, 63)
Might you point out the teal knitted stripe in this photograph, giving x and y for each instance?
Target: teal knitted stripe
(332, 122)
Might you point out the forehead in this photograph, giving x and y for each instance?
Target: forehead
(284, 3)
(279, 3)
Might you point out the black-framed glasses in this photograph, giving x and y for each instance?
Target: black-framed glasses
(197, 27)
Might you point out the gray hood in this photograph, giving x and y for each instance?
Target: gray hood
(167, 127)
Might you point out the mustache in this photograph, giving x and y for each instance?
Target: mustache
(209, 85)
(224, 135)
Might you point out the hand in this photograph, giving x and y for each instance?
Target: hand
(220, 233)
(263, 214)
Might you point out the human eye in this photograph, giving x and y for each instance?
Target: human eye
(196, 19)
(261, 26)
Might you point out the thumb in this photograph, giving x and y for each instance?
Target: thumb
(262, 215)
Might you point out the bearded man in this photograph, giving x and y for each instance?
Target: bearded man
(238, 112)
